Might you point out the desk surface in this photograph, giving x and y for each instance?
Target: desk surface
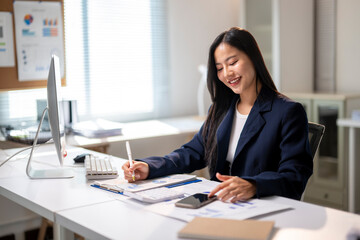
(119, 220)
(96, 214)
(348, 122)
(143, 129)
(310, 221)
(124, 221)
(46, 196)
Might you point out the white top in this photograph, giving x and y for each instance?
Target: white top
(237, 127)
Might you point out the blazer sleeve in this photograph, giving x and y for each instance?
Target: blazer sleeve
(295, 165)
(186, 159)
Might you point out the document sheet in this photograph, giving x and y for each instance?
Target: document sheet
(218, 209)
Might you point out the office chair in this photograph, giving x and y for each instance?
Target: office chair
(316, 132)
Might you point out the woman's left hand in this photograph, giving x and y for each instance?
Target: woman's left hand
(234, 188)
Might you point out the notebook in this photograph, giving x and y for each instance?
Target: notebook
(227, 229)
(120, 185)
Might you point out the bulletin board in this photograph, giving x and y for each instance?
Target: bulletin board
(9, 75)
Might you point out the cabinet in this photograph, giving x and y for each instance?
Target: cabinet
(329, 184)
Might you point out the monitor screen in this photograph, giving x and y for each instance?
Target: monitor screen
(56, 120)
(55, 111)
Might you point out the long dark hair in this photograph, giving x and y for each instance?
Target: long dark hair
(221, 95)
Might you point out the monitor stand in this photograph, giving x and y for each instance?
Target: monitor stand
(45, 173)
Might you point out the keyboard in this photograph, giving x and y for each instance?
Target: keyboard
(99, 168)
(155, 195)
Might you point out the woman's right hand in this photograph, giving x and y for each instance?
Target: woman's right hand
(141, 170)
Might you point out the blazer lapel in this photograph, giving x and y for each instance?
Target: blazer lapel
(255, 121)
(223, 134)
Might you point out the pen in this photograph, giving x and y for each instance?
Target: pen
(130, 158)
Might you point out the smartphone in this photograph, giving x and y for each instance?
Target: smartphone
(195, 201)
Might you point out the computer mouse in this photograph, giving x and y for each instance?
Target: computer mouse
(80, 158)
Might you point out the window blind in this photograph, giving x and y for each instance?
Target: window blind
(116, 57)
(116, 63)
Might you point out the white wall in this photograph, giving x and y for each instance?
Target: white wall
(348, 46)
(296, 19)
(192, 27)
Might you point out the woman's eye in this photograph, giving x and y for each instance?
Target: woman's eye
(219, 69)
(233, 63)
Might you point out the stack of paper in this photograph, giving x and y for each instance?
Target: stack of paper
(98, 128)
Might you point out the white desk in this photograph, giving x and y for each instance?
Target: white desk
(95, 214)
(351, 124)
(143, 129)
(120, 220)
(310, 221)
(47, 196)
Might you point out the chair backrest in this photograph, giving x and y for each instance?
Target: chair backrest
(316, 132)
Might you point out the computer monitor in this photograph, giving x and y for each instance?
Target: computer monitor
(56, 120)
(55, 111)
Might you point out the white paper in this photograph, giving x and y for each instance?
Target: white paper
(39, 34)
(217, 209)
(7, 58)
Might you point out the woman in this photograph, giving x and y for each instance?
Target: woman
(254, 140)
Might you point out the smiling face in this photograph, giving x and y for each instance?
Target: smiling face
(235, 69)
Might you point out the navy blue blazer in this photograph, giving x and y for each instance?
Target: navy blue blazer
(273, 148)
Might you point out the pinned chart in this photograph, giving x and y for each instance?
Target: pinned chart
(7, 57)
(39, 34)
